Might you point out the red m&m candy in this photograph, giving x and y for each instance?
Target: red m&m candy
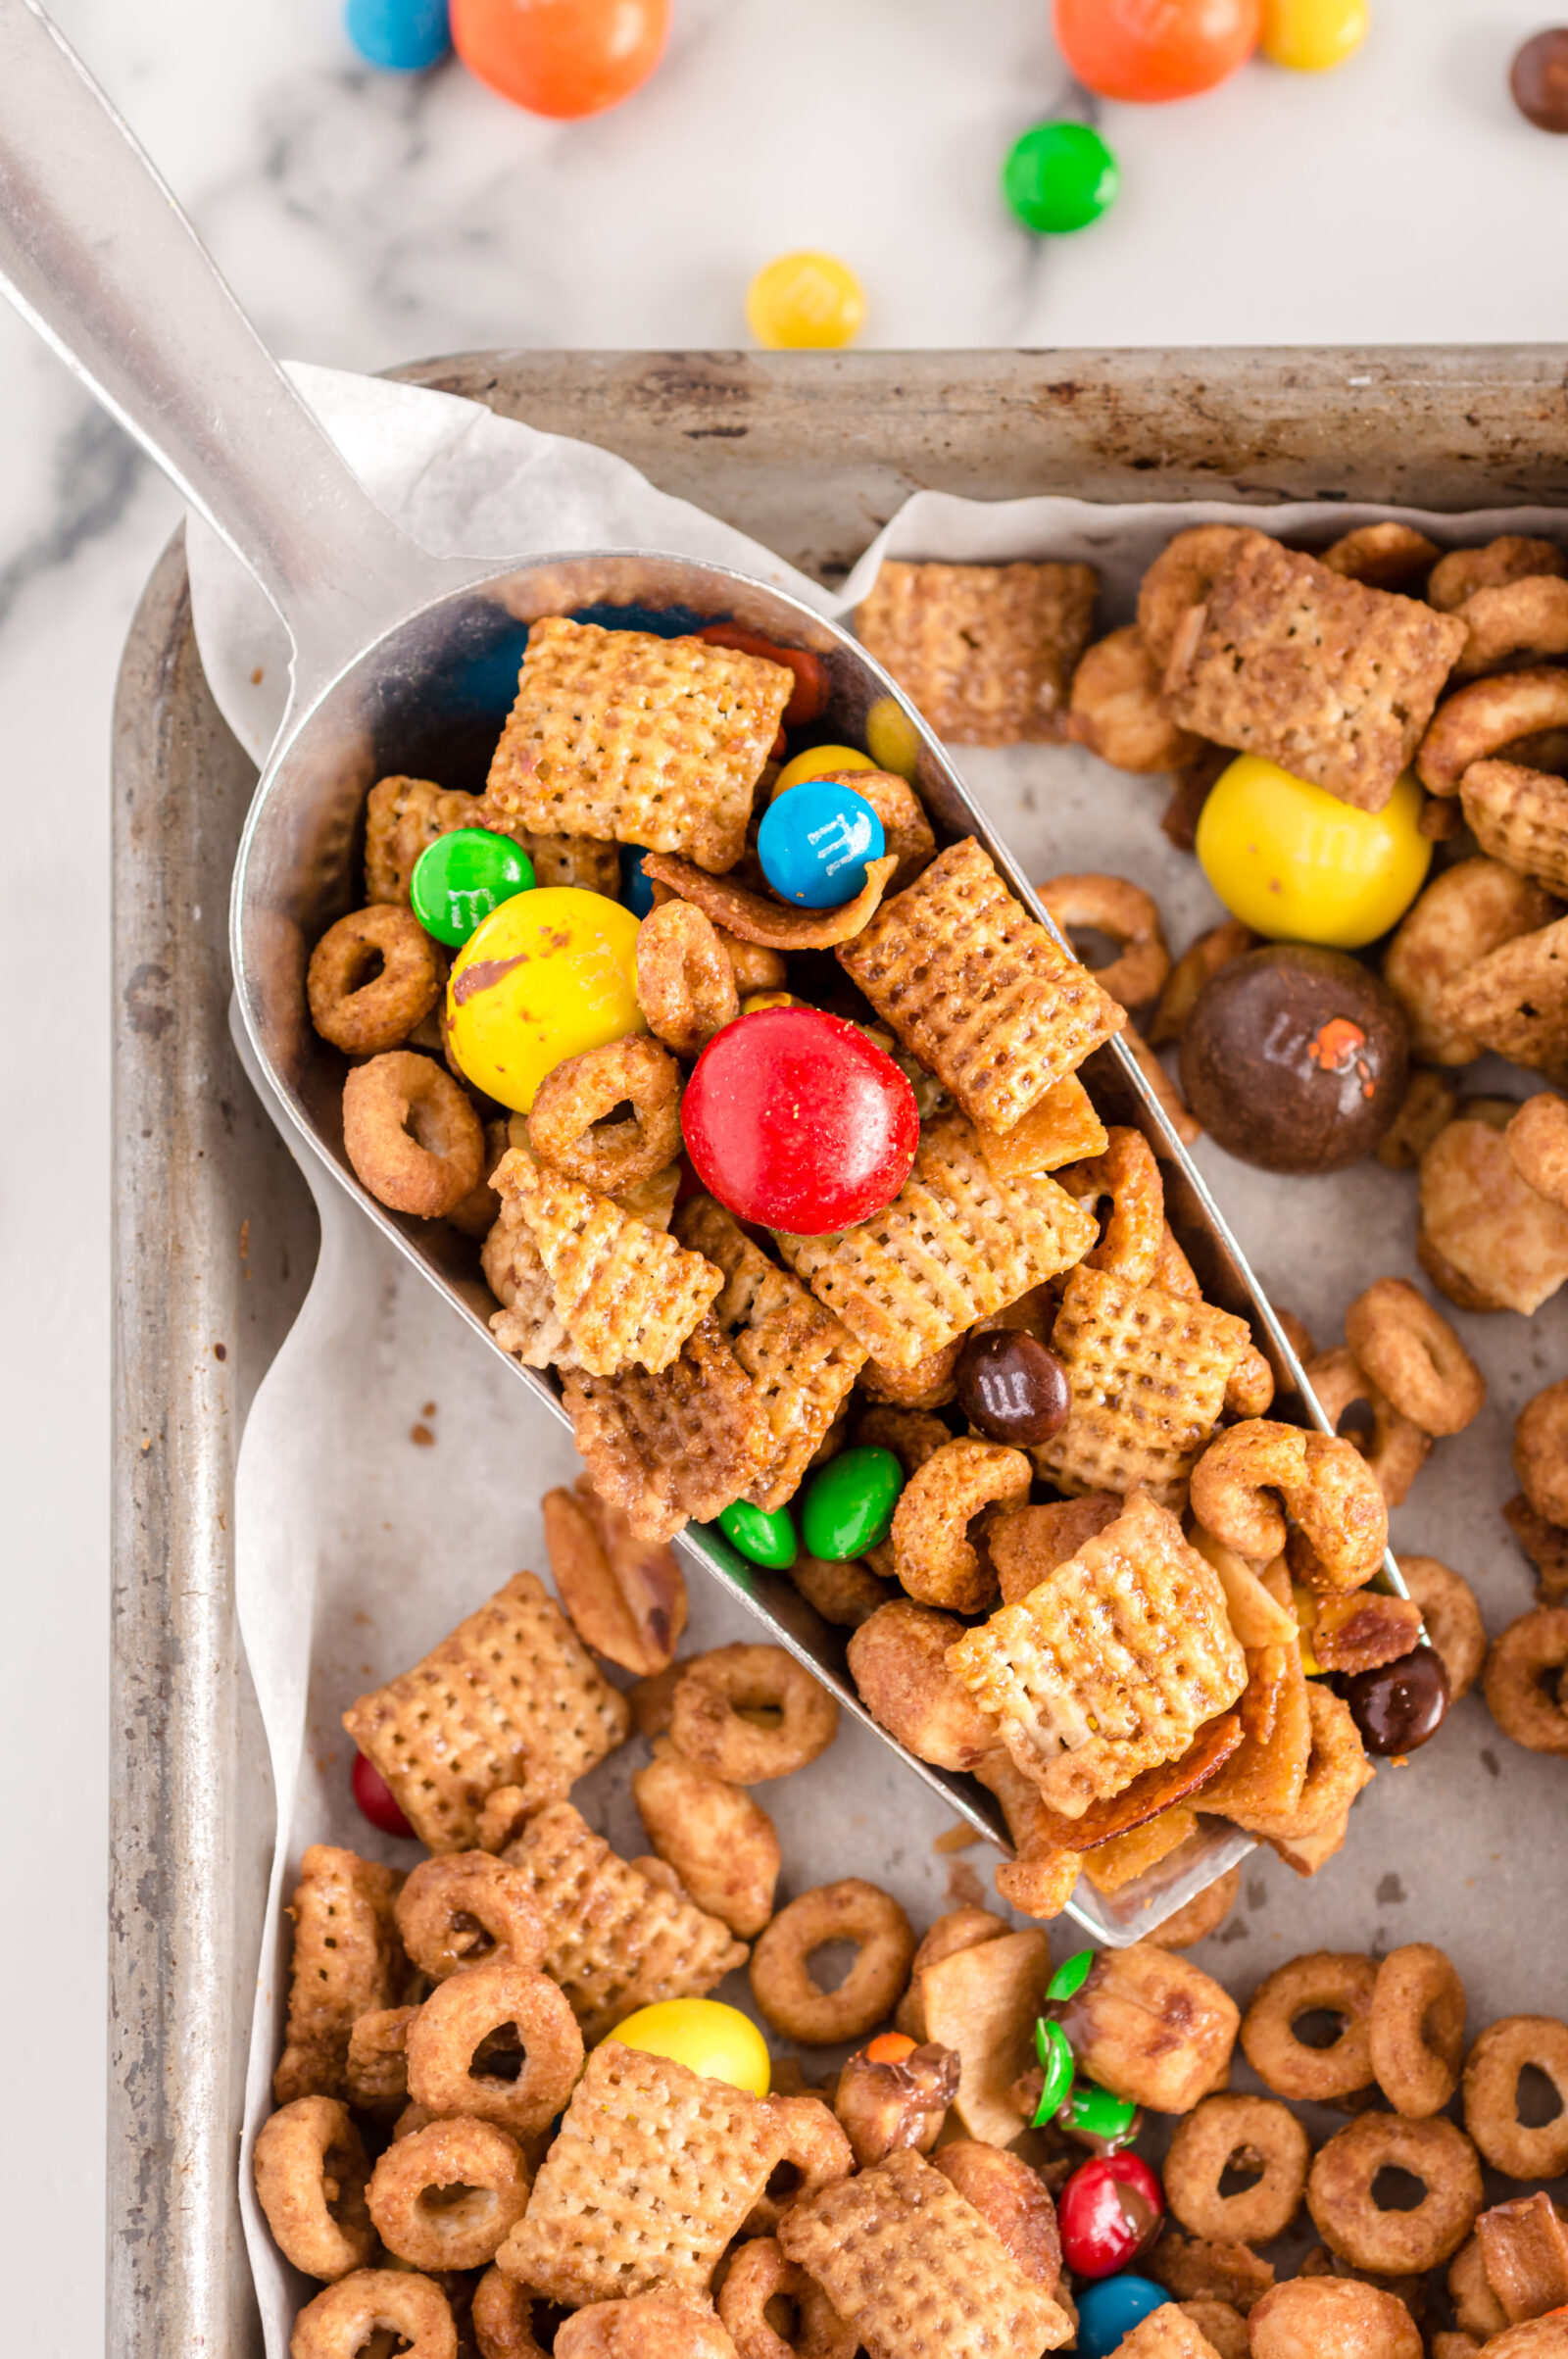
(375, 1799)
(795, 1120)
(1109, 2212)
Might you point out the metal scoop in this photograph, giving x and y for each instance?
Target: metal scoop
(406, 661)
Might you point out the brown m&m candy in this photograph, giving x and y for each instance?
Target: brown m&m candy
(1398, 1705)
(1294, 1058)
(1539, 79)
(1012, 1388)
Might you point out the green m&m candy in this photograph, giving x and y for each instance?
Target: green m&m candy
(462, 877)
(1097, 2119)
(766, 1538)
(1070, 1976)
(848, 1503)
(1055, 2062)
(1059, 177)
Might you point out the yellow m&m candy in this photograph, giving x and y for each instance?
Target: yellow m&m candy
(804, 302)
(819, 761)
(707, 2036)
(547, 975)
(1312, 35)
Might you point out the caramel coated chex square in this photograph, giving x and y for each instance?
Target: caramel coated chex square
(613, 1940)
(987, 652)
(512, 1698)
(638, 740)
(1515, 999)
(404, 816)
(956, 1244)
(649, 2176)
(916, 2270)
(977, 988)
(801, 1359)
(347, 1960)
(1519, 816)
(1147, 1371)
(1334, 681)
(625, 1293)
(1111, 1664)
(1061, 1127)
(685, 1443)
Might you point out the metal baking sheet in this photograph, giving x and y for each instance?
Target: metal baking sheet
(216, 1237)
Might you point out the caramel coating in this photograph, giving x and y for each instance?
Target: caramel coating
(1537, 1138)
(759, 2276)
(1530, 1651)
(484, 2003)
(1398, 2244)
(707, 1726)
(1338, 1982)
(1469, 910)
(898, 1661)
(1115, 906)
(625, 1597)
(884, 2106)
(1332, 2314)
(465, 2234)
(1181, 576)
(1012, 2198)
(1116, 712)
(311, 2174)
(1525, 617)
(1411, 1353)
(811, 2151)
(1329, 1491)
(784, 1986)
(934, 1559)
(685, 983)
(1252, 2134)
(391, 2303)
(501, 2319)
(1512, 557)
(412, 1138)
(1416, 2029)
(463, 1909)
(719, 1842)
(958, 1929)
(1204, 1913)
(1221, 2324)
(1540, 1452)
(371, 978)
(567, 1125)
(1134, 1237)
(1386, 557)
(1152, 2027)
(1397, 1449)
(648, 2326)
(1492, 2095)
(1479, 721)
(1453, 1620)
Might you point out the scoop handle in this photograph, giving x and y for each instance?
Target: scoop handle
(95, 252)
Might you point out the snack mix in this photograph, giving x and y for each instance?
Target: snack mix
(775, 1124)
(509, 2118)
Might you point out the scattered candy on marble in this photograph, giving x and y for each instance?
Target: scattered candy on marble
(765, 1537)
(1057, 2064)
(797, 1121)
(1296, 1058)
(1109, 2310)
(1098, 2120)
(1059, 177)
(848, 1503)
(462, 877)
(1127, 49)
(804, 302)
(1109, 2212)
(816, 842)
(562, 58)
(712, 2039)
(547, 975)
(399, 36)
(1296, 864)
(1012, 1388)
(375, 1799)
(1310, 36)
(1539, 79)
(819, 761)
(1401, 1704)
(891, 737)
(636, 890)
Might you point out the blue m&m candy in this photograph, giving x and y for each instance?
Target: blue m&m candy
(400, 36)
(816, 842)
(1110, 2309)
(636, 890)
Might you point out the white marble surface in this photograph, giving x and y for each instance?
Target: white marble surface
(364, 222)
